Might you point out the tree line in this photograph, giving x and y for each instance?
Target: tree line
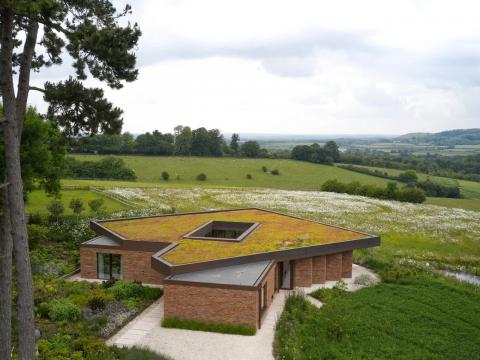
(182, 142)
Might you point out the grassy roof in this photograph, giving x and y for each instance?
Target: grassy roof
(277, 232)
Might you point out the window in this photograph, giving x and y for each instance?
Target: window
(223, 231)
(263, 291)
(109, 266)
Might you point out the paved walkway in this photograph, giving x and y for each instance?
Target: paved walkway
(145, 331)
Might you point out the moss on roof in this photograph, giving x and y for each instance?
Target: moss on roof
(277, 232)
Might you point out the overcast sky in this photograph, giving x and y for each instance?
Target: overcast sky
(302, 67)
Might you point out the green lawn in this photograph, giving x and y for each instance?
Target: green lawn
(419, 317)
(295, 175)
(467, 204)
(38, 201)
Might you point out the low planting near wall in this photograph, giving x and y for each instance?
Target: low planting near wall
(210, 327)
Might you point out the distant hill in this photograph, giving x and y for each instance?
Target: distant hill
(450, 137)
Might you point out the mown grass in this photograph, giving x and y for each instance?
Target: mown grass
(467, 204)
(209, 327)
(232, 172)
(38, 201)
(422, 317)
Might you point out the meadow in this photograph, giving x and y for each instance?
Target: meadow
(294, 175)
(413, 318)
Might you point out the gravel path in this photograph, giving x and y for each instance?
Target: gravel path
(145, 331)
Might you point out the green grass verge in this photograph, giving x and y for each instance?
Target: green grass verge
(135, 353)
(421, 317)
(295, 175)
(210, 327)
(38, 201)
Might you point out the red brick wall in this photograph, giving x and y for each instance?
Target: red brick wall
(302, 273)
(319, 269)
(136, 264)
(347, 264)
(217, 305)
(214, 305)
(334, 267)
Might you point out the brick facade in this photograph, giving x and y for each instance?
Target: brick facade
(302, 274)
(136, 265)
(319, 269)
(334, 267)
(223, 305)
(347, 264)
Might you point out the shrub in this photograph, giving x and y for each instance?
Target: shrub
(123, 290)
(76, 205)
(201, 177)
(210, 327)
(42, 310)
(36, 234)
(264, 169)
(55, 208)
(96, 303)
(364, 280)
(63, 310)
(275, 172)
(165, 176)
(108, 283)
(96, 205)
(249, 176)
(328, 294)
(35, 218)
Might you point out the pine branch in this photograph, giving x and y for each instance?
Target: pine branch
(37, 89)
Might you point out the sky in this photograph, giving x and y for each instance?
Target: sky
(300, 67)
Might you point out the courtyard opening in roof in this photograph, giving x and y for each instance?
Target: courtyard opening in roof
(223, 231)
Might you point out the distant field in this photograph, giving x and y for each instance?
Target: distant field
(38, 201)
(467, 204)
(469, 189)
(420, 149)
(294, 175)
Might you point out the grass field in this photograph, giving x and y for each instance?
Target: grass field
(231, 172)
(469, 189)
(38, 201)
(422, 317)
(295, 175)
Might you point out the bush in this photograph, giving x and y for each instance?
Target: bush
(76, 205)
(210, 327)
(96, 303)
(35, 218)
(37, 234)
(107, 168)
(108, 283)
(96, 205)
(201, 177)
(63, 310)
(326, 295)
(275, 172)
(165, 176)
(56, 208)
(123, 290)
(249, 176)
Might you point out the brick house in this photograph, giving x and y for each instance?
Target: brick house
(221, 266)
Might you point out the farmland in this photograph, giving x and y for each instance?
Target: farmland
(294, 175)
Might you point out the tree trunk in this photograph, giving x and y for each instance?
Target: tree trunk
(25, 307)
(12, 137)
(5, 280)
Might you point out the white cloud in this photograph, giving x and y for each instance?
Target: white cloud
(301, 66)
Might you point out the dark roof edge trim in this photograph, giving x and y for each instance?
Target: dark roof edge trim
(166, 267)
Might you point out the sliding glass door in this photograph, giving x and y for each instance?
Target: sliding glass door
(109, 266)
